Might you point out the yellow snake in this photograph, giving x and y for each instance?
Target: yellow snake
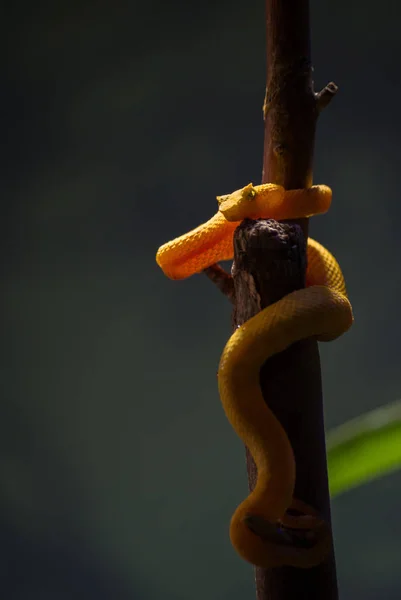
(321, 310)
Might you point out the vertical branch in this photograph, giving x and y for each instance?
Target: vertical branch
(271, 258)
(269, 263)
(290, 105)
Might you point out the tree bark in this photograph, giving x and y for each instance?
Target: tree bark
(269, 263)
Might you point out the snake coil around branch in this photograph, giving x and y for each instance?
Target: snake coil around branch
(297, 536)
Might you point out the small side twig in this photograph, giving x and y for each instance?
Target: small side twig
(222, 280)
(325, 96)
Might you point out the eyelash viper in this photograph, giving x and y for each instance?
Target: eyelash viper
(321, 310)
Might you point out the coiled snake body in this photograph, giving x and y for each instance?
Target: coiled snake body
(321, 310)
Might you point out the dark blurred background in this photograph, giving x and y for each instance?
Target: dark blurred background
(121, 123)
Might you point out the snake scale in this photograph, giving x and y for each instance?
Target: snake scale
(300, 538)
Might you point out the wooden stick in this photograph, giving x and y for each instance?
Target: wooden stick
(270, 262)
(291, 381)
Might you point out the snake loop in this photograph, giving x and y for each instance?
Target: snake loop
(321, 310)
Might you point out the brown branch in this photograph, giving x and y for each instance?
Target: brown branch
(270, 262)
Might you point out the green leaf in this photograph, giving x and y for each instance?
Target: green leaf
(364, 448)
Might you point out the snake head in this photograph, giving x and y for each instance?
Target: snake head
(236, 206)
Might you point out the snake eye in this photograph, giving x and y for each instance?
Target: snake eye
(251, 195)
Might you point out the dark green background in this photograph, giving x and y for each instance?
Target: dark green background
(120, 123)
